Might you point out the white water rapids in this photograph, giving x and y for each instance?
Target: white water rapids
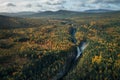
(81, 49)
(78, 52)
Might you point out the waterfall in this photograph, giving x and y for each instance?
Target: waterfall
(83, 46)
(78, 53)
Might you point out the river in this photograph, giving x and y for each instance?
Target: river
(80, 48)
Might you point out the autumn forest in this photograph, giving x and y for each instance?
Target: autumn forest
(37, 48)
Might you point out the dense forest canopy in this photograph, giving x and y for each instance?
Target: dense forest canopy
(37, 48)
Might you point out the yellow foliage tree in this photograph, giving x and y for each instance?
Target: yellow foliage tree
(97, 59)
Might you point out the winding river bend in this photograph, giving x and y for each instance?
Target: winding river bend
(79, 48)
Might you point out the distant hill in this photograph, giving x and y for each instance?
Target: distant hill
(58, 14)
(98, 10)
(18, 14)
(67, 14)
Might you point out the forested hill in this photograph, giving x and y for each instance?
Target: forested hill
(7, 22)
(61, 14)
(68, 14)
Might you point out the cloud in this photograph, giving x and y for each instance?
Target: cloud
(38, 5)
(29, 5)
(53, 5)
(106, 1)
(80, 5)
(11, 5)
(55, 2)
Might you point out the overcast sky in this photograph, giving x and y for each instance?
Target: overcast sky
(53, 5)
